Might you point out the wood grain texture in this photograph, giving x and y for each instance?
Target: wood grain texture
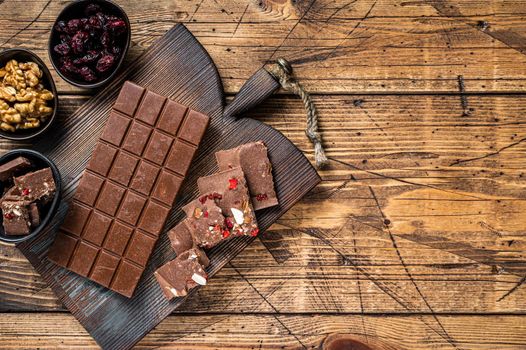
(335, 45)
(227, 331)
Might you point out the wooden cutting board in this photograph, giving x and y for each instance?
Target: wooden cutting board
(176, 66)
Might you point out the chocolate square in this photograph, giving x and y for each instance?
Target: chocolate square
(144, 178)
(97, 228)
(167, 187)
(131, 208)
(110, 198)
(101, 158)
(129, 98)
(89, 187)
(140, 248)
(83, 259)
(137, 138)
(76, 218)
(150, 107)
(194, 127)
(115, 128)
(172, 117)
(123, 168)
(152, 221)
(61, 252)
(180, 157)
(118, 238)
(126, 278)
(158, 147)
(104, 268)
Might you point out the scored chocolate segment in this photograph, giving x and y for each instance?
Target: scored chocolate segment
(127, 191)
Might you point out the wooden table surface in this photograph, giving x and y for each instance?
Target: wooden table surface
(417, 234)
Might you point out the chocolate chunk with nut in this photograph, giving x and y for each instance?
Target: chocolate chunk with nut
(235, 201)
(37, 185)
(16, 218)
(205, 221)
(179, 276)
(253, 160)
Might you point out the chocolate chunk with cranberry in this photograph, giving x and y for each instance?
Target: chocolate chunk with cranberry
(37, 185)
(16, 218)
(234, 202)
(253, 160)
(206, 222)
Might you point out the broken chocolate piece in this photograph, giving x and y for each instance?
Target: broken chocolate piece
(206, 222)
(37, 185)
(234, 202)
(16, 218)
(34, 215)
(180, 275)
(13, 167)
(127, 191)
(253, 160)
(180, 238)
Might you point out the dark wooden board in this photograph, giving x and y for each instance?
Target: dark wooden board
(176, 66)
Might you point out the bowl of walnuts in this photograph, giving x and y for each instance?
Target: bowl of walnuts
(88, 42)
(28, 96)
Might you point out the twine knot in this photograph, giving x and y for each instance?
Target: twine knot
(283, 72)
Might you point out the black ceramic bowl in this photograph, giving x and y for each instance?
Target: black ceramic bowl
(76, 10)
(39, 161)
(23, 55)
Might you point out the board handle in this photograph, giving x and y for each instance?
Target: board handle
(262, 84)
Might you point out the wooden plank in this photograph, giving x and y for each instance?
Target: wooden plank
(335, 46)
(227, 331)
(335, 242)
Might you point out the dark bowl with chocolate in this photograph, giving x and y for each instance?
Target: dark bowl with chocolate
(89, 41)
(23, 56)
(37, 161)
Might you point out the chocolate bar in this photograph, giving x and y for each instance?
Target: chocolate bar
(180, 275)
(234, 201)
(253, 160)
(13, 167)
(126, 193)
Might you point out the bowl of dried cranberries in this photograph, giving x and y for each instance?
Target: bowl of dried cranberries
(89, 41)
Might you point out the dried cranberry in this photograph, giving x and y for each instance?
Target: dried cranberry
(117, 26)
(78, 42)
(25, 192)
(73, 26)
(94, 23)
(261, 197)
(105, 40)
(67, 67)
(62, 49)
(203, 199)
(64, 38)
(102, 18)
(228, 223)
(87, 74)
(116, 50)
(105, 63)
(92, 9)
(232, 183)
(60, 27)
(83, 23)
(226, 233)
(254, 232)
(8, 216)
(90, 57)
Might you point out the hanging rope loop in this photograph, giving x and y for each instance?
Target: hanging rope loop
(282, 71)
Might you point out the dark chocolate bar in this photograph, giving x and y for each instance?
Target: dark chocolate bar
(13, 167)
(180, 275)
(253, 160)
(126, 193)
(234, 201)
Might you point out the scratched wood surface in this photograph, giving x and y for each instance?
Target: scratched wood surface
(420, 214)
